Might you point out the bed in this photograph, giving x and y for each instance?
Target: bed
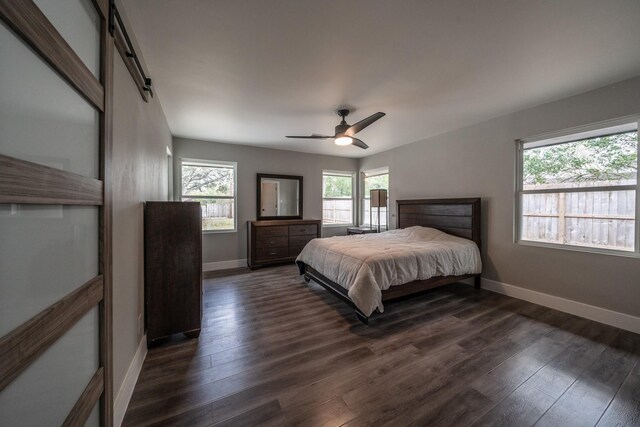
(447, 224)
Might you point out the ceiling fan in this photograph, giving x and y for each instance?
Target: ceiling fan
(344, 133)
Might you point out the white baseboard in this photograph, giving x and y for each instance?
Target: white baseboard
(223, 265)
(602, 315)
(123, 397)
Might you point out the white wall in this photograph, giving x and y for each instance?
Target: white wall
(217, 247)
(479, 160)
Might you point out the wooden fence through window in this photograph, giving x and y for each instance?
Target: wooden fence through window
(603, 219)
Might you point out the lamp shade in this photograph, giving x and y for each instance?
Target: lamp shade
(378, 198)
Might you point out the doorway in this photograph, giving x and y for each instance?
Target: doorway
(270, 203)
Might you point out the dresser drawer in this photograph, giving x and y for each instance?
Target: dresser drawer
(263, 254)
(300, 240)
(272, 242)
(273, 231)
(303, 230)
(297, 243)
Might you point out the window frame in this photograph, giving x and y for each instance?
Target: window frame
(213, 163)
(575, 134)
(353, 196)
(369, 174)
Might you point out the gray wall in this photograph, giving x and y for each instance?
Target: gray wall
(140, 173)
(252, 160)
(480, 161)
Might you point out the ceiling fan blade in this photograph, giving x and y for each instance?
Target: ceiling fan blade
(310, 137)
(359, 143)
(363, 124)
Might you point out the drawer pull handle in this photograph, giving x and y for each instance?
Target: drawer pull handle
(273, 253)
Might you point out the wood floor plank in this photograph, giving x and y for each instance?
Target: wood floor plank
(436, 326)
(461, 331)
(589, 396)
(238, 370)
(625, 408)
(294, 378)
(179, 367)
(425, 368)
(430, 395)
(491, 303)
(235, 394)
(333, 412)
(342, 383)
(277, 351)
(558, 375)
(461, 410)
(201, 416)
(523, 407)
(505, 378)
(495, 331)
(260, 415)
(417, 394)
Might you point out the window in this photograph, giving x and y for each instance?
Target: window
(580, 190)
(372, 180)
(337, 198)
(213, 184)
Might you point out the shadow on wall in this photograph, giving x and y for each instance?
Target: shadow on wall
(488, 267)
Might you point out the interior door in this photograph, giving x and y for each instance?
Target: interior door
(269, 194)
(55, 213)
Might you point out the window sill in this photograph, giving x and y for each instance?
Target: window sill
(572, 248)
(337, 225)
(219, 231)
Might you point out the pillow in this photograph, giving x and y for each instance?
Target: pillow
(417, 233)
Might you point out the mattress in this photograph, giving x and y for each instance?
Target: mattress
(367, 264)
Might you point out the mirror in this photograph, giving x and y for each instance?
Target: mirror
(279, 196)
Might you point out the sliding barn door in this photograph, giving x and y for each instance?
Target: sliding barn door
(55, 237)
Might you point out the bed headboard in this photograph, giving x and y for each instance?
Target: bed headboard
(458, 217)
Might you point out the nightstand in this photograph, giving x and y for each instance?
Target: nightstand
(360, 230)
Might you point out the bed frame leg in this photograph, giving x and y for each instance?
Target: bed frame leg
(364, 319)
(477, 281)
(302, 267)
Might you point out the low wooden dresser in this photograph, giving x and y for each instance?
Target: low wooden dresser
(280, 241)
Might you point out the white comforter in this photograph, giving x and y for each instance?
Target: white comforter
(367, 264)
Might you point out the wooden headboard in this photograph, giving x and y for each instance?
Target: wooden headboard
(458, 217)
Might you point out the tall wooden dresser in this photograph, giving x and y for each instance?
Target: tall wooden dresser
(172, 269)
(280, 241)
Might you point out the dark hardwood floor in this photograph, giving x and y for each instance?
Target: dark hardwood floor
(277, 351)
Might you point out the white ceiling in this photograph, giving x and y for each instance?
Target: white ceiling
(252, 71)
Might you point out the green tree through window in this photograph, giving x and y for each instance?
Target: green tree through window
(213, 185)
(608, 158)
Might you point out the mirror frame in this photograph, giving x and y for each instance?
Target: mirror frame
(259, 216)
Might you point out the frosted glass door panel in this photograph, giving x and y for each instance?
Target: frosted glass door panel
(42, 118)
(94, 417)
(45, 392)
(46, 252)
(78, 23)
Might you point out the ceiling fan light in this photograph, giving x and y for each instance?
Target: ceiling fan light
(343, 140)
